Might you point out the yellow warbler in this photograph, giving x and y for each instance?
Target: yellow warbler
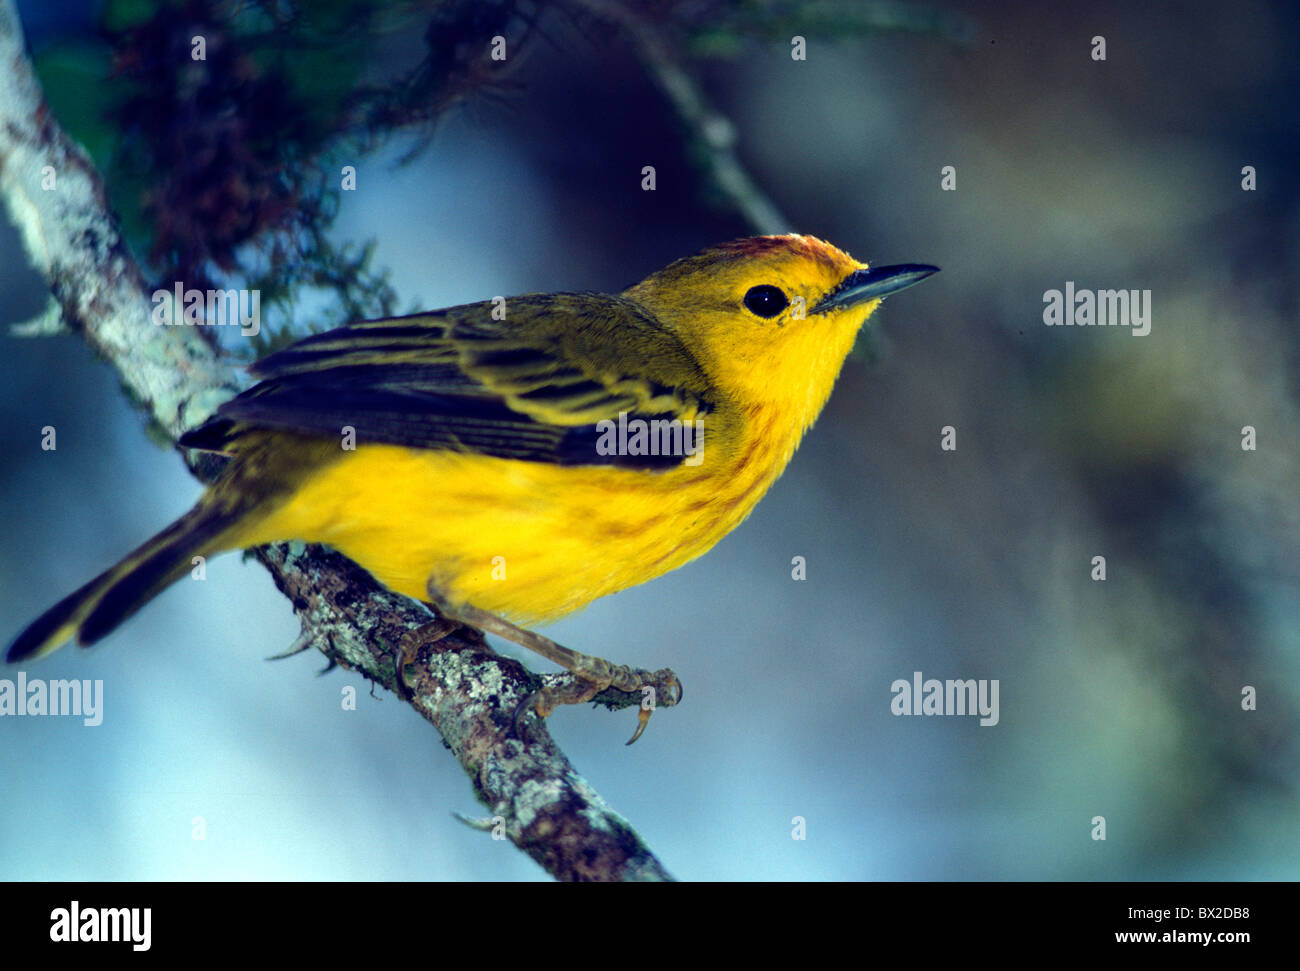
(511, 461)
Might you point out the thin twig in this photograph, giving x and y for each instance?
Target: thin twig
(712, 133)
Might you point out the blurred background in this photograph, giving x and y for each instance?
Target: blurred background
(1120, 699)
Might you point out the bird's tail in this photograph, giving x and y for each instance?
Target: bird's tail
(117, 593)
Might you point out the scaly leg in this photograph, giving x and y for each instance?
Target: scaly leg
(595, 674)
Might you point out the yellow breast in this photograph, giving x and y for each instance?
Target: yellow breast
(527, 540)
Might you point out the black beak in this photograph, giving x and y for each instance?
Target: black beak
(873, 284)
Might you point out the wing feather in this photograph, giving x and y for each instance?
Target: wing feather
(461, 380)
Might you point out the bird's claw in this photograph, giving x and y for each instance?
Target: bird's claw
(657, 688)
(408, 650)
(642, 720)
(660, 681)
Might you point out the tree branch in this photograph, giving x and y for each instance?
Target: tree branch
(469, 694)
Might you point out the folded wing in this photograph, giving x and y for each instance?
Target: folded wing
(532, 386)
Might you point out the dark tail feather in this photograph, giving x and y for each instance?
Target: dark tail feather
(118, 592)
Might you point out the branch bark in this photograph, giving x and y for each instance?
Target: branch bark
(469, 694)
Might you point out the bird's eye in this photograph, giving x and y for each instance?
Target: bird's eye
(766, 300)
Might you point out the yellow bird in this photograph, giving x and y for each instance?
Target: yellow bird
(511, 461)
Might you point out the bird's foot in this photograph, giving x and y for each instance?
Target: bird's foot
(408, 649)
(656, 688)
(590, 675)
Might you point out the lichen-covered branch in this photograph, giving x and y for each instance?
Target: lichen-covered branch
(57, 201)
(469, 694)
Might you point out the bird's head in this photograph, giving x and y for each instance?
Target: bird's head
(772, 318)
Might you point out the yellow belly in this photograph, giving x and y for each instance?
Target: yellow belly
(529, 541)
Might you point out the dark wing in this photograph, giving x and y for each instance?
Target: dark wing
(531, 386)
